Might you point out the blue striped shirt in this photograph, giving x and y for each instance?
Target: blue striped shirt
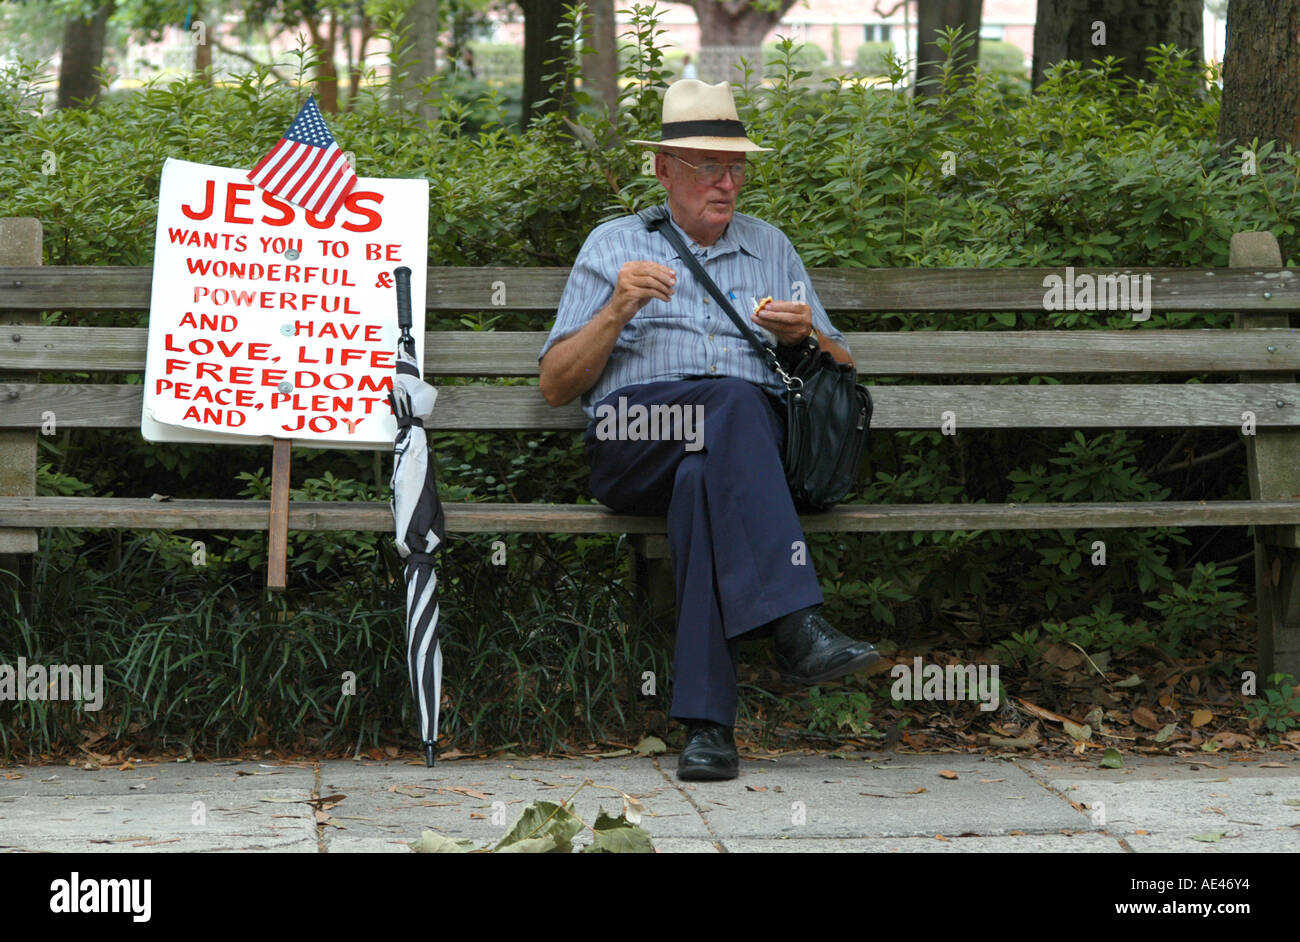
(689, 335)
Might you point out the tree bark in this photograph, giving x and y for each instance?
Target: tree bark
(1261, 73)
(1087, 30)
(542, 23)
(203, 57)
(83, 53)
(327, 74)
(600, 68)
(934, 15)
(418, 57)
(731, 30)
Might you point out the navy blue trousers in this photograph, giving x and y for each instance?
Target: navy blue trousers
(732, 527)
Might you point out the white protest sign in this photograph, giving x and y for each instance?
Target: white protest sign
(268, 322)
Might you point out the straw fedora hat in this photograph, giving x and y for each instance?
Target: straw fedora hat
(703, 117)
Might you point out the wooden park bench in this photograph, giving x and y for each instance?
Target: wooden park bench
(1261, 350)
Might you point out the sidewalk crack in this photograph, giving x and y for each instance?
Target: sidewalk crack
(320, 825)
(717, 841)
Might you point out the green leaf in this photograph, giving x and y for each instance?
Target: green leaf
(543, 820)
(617, 836)
(431, 842)
(651, 746)
(1210, 837)
(1112, 758)
(531, 845)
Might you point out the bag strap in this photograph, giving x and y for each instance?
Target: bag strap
(766, 353)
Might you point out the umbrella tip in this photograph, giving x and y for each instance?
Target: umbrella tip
(430, 751)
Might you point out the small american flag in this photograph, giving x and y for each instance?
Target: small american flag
(306, 167)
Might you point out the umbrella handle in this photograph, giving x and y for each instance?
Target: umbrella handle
(402, 276)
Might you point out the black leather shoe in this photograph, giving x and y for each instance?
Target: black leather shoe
(809, 651)
(709, 754)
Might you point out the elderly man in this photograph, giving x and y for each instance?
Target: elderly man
(636, 329)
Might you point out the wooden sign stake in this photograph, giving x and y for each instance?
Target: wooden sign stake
(278, 531)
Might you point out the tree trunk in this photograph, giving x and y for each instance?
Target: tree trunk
(327, 74)
(1261, 73)
(203, 59)
(934, 15)
(83, 53)
(1085, 30)
(731, 30)
(417, 59)
(600, 68)
(542, 24)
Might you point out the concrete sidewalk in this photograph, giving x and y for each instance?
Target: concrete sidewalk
(812, 803)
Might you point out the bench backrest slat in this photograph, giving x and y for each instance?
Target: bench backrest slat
(105, 288)
(886, 353)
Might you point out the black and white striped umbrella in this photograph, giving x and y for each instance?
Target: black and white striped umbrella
(419, 524)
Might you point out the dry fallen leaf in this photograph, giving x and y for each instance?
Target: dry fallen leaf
(1228, 740)
(915, 791)
(1144, 717)
(1040, 712)
(462, 790)
(411, 791)
(1201, 717)
(948, 774)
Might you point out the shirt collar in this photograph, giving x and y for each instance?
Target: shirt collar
(738, 237)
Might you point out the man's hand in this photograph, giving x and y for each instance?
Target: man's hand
(791, 321)
(638, 284)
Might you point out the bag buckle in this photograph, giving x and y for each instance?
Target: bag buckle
(788, 379)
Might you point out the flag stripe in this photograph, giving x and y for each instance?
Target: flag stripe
(277, 174)
(306, 173)
(269, 156)
(273, 171)
(288, 167)
(306, 200)
(333, 193)
(323, 194)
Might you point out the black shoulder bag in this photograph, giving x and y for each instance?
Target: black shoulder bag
(828, 411)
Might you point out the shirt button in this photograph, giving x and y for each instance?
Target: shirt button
(713, 369)
(710, 336)
(706, 300)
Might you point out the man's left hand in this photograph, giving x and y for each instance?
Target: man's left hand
(791, 321)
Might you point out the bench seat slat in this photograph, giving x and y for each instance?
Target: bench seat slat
(885, 353)
(505, 408)
(142, 513)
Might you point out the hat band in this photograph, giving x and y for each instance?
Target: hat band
(720, 127)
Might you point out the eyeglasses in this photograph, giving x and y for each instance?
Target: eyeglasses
(711, 174)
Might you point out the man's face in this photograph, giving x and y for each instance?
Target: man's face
(700, 208)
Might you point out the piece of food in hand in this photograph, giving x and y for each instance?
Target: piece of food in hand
(762, 304)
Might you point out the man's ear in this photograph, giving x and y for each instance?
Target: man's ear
(662, 171)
